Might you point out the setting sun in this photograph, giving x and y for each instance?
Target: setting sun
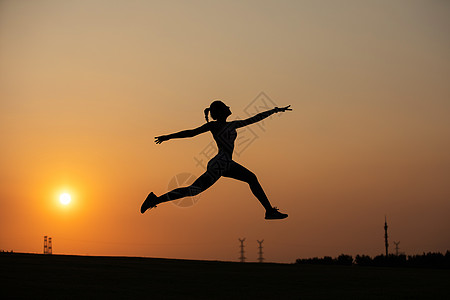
(64, 198)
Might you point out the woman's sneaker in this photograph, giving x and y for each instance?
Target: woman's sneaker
(149, 202)
(274, 214)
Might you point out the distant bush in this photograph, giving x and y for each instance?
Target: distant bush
(3, 251)
(342, 259)
(429, 260)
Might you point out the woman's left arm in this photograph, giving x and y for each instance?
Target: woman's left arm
(261, 116)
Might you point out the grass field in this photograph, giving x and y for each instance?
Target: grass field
(61, 276)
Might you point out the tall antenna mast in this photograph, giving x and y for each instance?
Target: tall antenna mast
(260, 247)
(242, 258)
(386, 243)
(396, 247)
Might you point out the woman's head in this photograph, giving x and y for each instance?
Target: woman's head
(218, 111)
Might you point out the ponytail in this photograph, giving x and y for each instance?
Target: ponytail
(206, 114)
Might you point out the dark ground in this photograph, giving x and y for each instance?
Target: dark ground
(59, 276)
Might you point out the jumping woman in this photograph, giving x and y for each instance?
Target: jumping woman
(224, 133)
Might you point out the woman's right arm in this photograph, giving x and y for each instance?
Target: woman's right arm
(183, 134)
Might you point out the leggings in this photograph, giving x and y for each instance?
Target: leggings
(217, 167)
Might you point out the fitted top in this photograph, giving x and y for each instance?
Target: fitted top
(224, 133)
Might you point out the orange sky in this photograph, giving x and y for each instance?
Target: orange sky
(86, 85)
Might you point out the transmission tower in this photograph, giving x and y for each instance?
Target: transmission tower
(260, 247)
(386, 244)
(45, 245)
(242, 258)
(50, 249)
(396, 247)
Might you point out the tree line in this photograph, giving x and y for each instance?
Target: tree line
(428, 260)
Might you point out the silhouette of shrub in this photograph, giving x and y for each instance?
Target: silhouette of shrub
(427, 260)
(344, 259)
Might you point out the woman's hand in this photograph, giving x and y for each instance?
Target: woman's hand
(160, 139)
(282, 109)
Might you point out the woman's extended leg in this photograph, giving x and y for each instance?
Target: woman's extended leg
(236, 171)
(199, 185)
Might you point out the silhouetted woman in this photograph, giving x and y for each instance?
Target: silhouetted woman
(224, 133)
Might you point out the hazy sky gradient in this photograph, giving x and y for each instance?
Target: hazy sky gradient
(86, 85)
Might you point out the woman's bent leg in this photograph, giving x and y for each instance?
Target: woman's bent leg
(236, 171)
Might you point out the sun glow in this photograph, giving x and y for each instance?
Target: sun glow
(64, 198)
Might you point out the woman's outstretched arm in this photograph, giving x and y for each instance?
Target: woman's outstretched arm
(183, 134)
(261, 116)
